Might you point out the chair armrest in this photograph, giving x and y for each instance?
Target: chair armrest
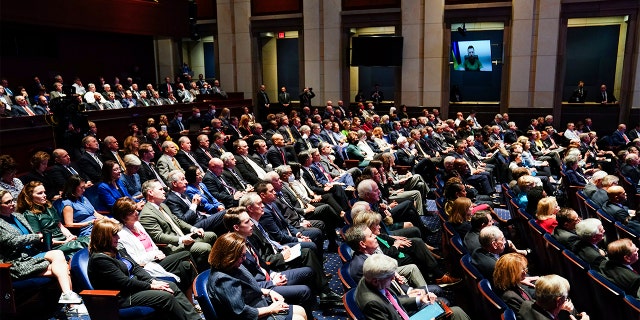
(101, 304)
(7, 297)
(402, 169)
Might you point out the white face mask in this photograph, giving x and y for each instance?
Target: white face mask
(179, 118)
(198, 115)
(291, 178)
(305, 136)
(373, 107)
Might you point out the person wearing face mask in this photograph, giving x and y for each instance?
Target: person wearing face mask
(304, 143)
(195, 118)
(177, 126)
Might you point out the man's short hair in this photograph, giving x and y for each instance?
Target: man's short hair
(365, 186)
(488, 235)
(148, 185)
(587, 228)
(172, 176)
(249, 199)
(549, 288)
(564, 216)
(479, 219)
(617, 250)
(379, 266)
(226, 156)
(354, 235)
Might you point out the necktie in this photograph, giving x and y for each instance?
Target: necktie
(207, 153)
(235, 174)
(120, 162)
(255, 256)
(395, 305)
(176, 165)
(626, 139)
(276, 246)
(193, 160)
(28, 111)
(284, 160)
(227, 187)
(259, 171)
(173, 225)
(155, 173)
(291, 138)
(95, 156)
(278, 216)
(72, 170)
(328, 176)
(180, 125)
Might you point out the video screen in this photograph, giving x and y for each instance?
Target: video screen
(471, 55)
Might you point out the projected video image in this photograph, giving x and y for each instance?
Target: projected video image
(471, 55)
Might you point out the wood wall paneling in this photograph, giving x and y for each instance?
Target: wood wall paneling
(271, 7)
(207, 9)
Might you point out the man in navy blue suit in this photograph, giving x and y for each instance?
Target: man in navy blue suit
(619, 138)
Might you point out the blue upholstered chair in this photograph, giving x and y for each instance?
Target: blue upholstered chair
(202, 296)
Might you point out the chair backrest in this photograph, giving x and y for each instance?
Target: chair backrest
(345, 252)
(535, 237)
(631, 307)
(553, 249)
(591, 207)
(631, 190)
(626, 233)
(609, 225)
(508, 315)
(79, 270)
(345, 276)
(582, 206)
(471, 276)
(610, 297)
(575, 271)
(201, 294)
(492, 306)
(349, 300)
(455, 254)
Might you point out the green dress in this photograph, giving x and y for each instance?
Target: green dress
(48, 221)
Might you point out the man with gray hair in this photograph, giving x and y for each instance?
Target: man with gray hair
(376, 300)
(552, 298)
(167, 161)
(112, 151)
(218, 187)
(231, 176)
(590, 232)
(191, 208)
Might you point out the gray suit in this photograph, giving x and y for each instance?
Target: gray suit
(165, 165)
(161, 231)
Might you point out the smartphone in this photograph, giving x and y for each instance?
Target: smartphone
(195, 236)
(283, 312)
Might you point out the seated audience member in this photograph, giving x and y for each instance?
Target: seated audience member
(184, 156)
(479, 220)
(595, 183)
(39, 162)
(618, 269)
(407, 181)
(139, 246)
(492, 245)
(218, 187)
(630, 168)
(307, 174)
(247, 166)
(8, 180)
(510, 271)
(293, 284)
(167, 161)
(130, 177)
(18, 241)
(405, 250)
(148, 170)
(551, 299)
(327, 172)
(110, 269)
(276, 255)
(77, 211)
(193, 208)
(43, 218)
(354, 152)
(231, 176)
(591, 233)
(565, 231)
(235, 293)
(460, 214)
(91, 162)
(376, 300)
(61, 171)
(615, 207)
(111, 187)
(574, 174)
(546, 213)
(375, 171)
(164, 227)
(360, 238)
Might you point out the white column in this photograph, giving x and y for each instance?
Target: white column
(521, 71)
(330, 46)
(313, 49)
(546, 53)
(433, 59)
(412, 51)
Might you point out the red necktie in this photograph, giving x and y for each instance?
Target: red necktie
(255, 256)
(29, 112)
(395, 304)
(284, 160)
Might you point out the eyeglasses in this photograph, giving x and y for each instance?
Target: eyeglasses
(8, 202)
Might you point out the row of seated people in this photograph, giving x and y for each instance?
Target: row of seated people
(104, 98)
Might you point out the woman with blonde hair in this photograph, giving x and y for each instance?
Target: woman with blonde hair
(378, 136)
(508, 274)
(131, 145)
(235, 293)
(244, 125)
(546, 213)
(460, 215)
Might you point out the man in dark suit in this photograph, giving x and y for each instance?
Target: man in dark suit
(333, 190)
(293, 284)
(619, 138)
(189, 209)
(218, 187)
(231, 176)
(263, 102)
(153, 138)
(184, 156)
(278, 154)
(61, 170)
(579, 94)
(552, 301)
(246, 166)
(605, 96)
(256, 134)
(276, 255)
(217, 147)
(591, 233)
(164, 227)
(166, 87)
(284, 98)
(22, 108)
(378, 302)
(203, 153)
(90, 163)
(615, 207)
(176, 125)
(232, 132)
(492, 244)
(148, 170)
(111, 152)
(630, 168)
(565, 231)
(618, 269)
(260, 155)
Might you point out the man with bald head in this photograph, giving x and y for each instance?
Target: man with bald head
(615, 207)
(218, 187)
